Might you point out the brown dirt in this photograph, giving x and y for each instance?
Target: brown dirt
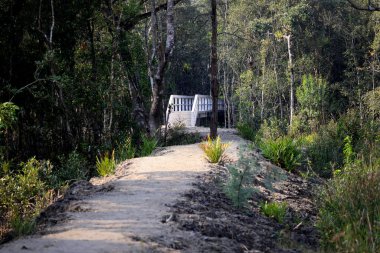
(172, 202)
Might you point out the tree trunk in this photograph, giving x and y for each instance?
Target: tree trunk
(162, 58)
(291, 70)
(214, 72)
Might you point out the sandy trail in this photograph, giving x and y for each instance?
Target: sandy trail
(128, 218)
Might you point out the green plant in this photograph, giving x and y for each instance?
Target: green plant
(24, 195)
(349, 215)
(177, 135)
(214, 149)
(282, 151)
(125, 150)
(239, 185)
(274, 210)
(246, 131)
(106, 165)
(73, 167)
(148, 145)
(23, 226)
(8, 115)
(348, 151)
(270, 129)
(324, 151)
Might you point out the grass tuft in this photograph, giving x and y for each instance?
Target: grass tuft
(274, 210)
(214, 149)
(282, 151)
(106, 165)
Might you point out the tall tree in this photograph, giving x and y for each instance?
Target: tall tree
(159, 62)
(214, 72)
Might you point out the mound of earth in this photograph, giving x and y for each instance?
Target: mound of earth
(206, 210)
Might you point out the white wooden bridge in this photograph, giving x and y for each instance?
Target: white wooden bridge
(187, 109)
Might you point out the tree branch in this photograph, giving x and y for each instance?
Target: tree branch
(369, 6)
(129, 24)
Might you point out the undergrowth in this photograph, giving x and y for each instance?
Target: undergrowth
(214, 149)
(24, 195)
(274, 210)
(246, 131)
(239, 187)
(148, 145)
(106, 164)
(283, 152)
(349, 216)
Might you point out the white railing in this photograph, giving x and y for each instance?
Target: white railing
(192, 104)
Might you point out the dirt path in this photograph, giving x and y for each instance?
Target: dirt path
(129, 217)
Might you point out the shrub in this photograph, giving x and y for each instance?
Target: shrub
(125, 150)
(239, 185)
(177, 135)
(270, 129)
(274, 210)
(325, 150)
(24, 195)
(148, 145)
(246, 131)
(73, 167)
(282, 151)
(106, 165)
(349, 215)
(214, 149)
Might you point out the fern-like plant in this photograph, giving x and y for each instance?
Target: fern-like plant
(214, 149)
(282, 151)
(106, 165)
(239, 187)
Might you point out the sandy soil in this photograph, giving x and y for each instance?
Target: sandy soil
(129, 217)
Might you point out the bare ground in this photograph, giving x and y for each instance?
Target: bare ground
(173, 202)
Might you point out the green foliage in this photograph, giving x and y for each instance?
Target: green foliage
(23, 226)
(73, 167)
(324, 151)
(214, 149)
(125, 150)
(270, 129)
(148, 145)
(246, 131)
(24, 195)
(239, 187)
(274, 210)
(311, 96)
(177, 135)
(106, 165)
(349, 212)
(283, 152)
(348, 152)
(8, 115)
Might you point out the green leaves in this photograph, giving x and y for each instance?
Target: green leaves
(239, 187)
(8, 116)
(149, 144)
(274, 210)
(282, 151)
(24, 195)
(106, 165)
(214, 149)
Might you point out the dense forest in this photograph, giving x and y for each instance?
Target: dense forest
(82, 82)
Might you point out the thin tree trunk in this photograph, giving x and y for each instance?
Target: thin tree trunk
(157, 74)
(291, 70)
(214, 72)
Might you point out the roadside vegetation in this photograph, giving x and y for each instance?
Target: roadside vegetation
(84, 86)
